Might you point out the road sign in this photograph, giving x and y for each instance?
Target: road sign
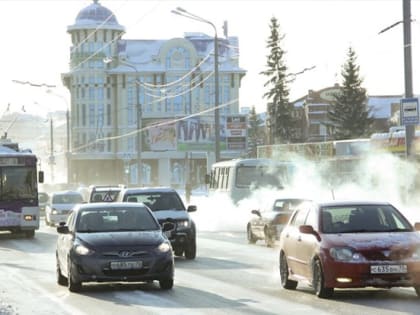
(409, 111)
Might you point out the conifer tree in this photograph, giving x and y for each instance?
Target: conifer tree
(280, 121)
(349, 117)
(254, 134)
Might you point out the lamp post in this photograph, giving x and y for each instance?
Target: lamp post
(69, 177)
(185, 13)
(139, 120)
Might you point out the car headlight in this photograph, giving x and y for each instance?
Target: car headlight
(183, 224)
(82, 250)
(164, 247)
(416, 253)
(54, 211)
(345, 254)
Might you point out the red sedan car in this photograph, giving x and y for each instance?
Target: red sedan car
(349, 245)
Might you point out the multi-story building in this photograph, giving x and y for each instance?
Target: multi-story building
(315, 105)
(148, 103)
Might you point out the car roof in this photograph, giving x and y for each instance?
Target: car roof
(150, 189)
(351, 203)
(108, 205)
(66, 192)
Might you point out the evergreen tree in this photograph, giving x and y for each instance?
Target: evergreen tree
(349, 117)
(254, 134)
(280, 121)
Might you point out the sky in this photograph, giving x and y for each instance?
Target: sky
(317, 35)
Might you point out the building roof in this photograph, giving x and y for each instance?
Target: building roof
(96, 16)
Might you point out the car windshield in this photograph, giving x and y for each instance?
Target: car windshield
(286, 205)
(158, 201)
(115, 220)
(362, 219)
(67, 198)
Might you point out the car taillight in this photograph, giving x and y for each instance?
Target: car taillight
(281, 218)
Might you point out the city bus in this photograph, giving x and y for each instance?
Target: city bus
(19, 209)
(238, 178)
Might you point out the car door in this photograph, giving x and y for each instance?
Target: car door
(292, 240)
(307, 244)
(65, 243)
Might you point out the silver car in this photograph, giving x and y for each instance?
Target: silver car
(60, 205)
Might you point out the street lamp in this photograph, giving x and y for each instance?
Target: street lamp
(185, 13)
(49, 91)
(139, 120)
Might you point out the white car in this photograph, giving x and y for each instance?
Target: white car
(60, 205)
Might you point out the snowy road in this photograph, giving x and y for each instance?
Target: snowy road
(229, 276)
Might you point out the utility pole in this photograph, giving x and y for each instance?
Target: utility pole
(408, 75)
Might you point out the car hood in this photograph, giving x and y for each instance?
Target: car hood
(177, 215)
(63, 206)
(121, 239)
(361, 241)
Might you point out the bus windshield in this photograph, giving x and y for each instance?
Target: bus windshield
(259, 176)
(18, 183)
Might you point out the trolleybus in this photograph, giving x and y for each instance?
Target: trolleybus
(238, 178)
(19, 209)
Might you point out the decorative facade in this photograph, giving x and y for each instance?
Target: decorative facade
(155, 96)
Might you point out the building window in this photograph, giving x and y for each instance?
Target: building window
(92, 115)
(84, 115)
(108, 114)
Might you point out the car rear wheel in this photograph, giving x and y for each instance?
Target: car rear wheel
(318, 281)
(166, 284)
(191, 250)
(284, 274)
(72, 283)
(30, 234)
(251, 238)
(61, 280)
(269, 240)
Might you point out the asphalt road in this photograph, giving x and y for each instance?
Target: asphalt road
(229, 276)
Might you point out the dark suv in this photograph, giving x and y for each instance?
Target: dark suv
(168, 206)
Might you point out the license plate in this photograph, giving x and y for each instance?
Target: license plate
(377, 269)
(126, 265)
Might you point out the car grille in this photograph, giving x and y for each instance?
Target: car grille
(126, 254)
(388, 255)
(135, 272)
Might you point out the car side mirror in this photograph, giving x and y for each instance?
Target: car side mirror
(207, 179)
(192, 208)
(63, 229)
(167, 226)
(41, 176)
(308, 229)
(256, 212)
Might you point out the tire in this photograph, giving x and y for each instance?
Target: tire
(417, 288)
(191, 250)
(61, 280)
(30, 234)
(269, 241)
(166, 284)
(72, 284)
(284, 274)
(318, 281)
(251, 238)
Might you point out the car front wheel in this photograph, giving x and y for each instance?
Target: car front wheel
(284, 274)
(417, 288)
(318, 281)
(61, 280)
(251, 238)
(166, 284)
(73, 284)
(191, 250)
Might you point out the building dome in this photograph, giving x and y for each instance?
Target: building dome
(96, 16)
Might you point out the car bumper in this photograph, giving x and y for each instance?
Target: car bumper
(57, 218)
(356, 275)
(98, 269)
